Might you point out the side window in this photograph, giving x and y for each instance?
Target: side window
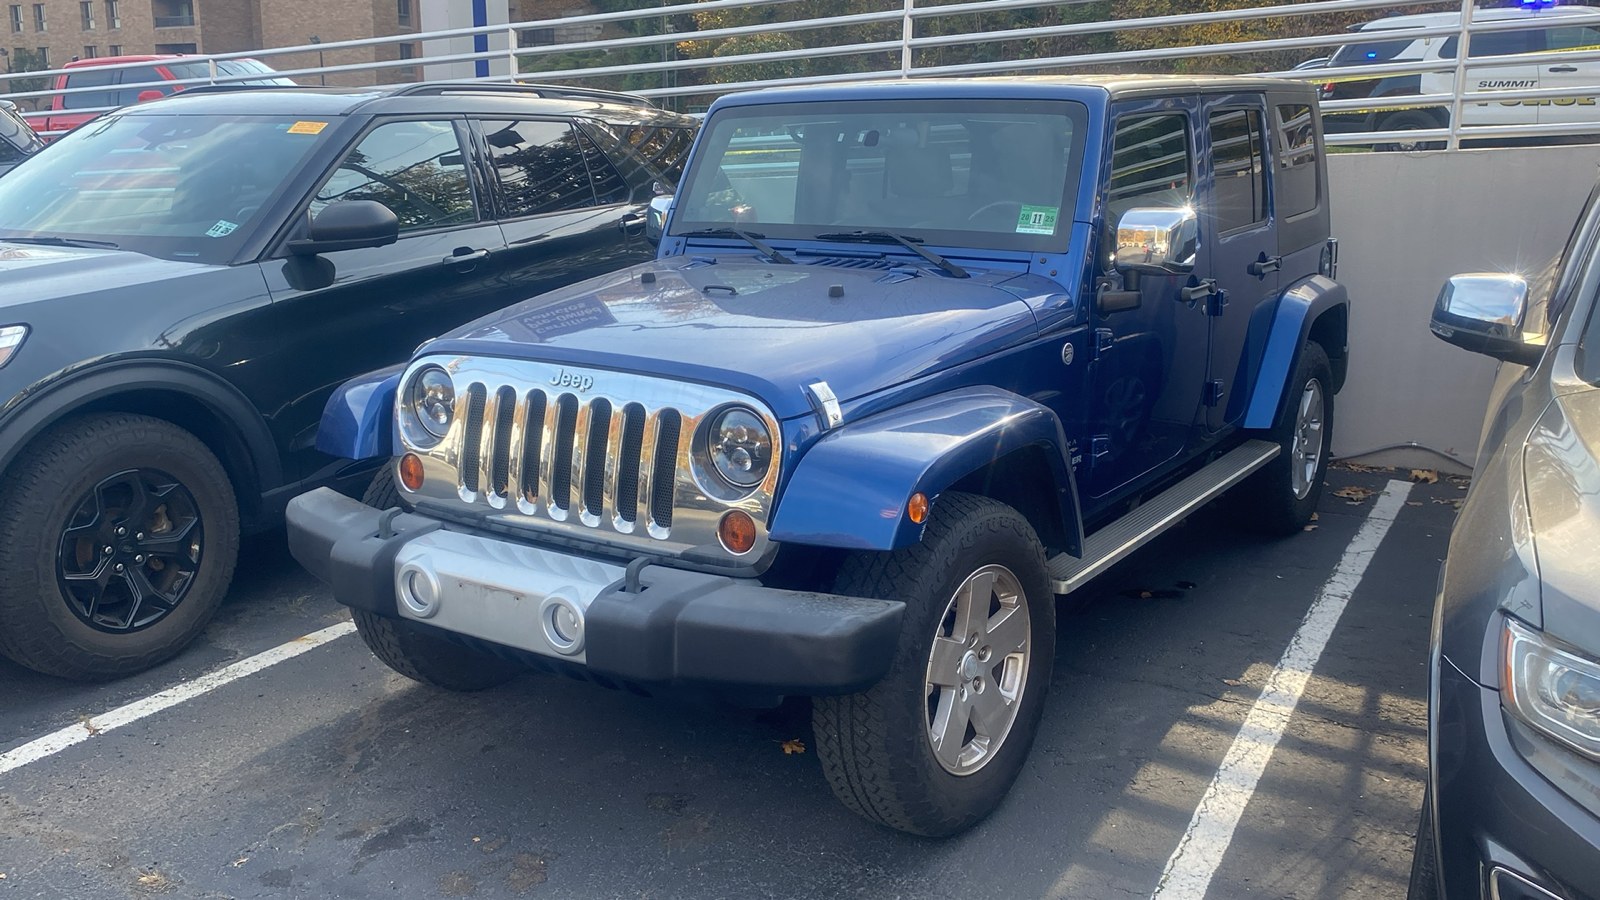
(1239, 185)
(89, 99)
(609, 185)
(415, 168)
(540, 165)
(1495, 43)
(662, 149)
(139, 77)
(1298, 190)
(1151, 164)
(1572, 37)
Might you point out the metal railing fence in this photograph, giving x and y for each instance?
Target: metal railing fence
(687, 53)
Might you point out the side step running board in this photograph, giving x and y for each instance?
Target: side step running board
(1116, 541)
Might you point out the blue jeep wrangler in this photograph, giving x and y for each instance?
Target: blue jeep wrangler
(914, 359)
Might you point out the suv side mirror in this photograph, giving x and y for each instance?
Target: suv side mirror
(349, 225)
(1483, 313)
(655, 221)
(1157, 241)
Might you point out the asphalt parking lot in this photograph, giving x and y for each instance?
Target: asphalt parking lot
(328, 776)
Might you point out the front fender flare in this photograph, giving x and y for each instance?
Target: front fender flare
(851, 488)
(1297, 312)
(358, 420)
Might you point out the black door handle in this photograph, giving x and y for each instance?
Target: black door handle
(1563, 68)
(1264, 265)
(466, 255)
(631, 224)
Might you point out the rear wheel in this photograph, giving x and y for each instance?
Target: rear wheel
(1281, 497)
(1409, 120)
(934, 747)
(118, 537)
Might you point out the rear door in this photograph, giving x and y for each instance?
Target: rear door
(1510, 76)
(1243, 258)
(345, 313)
(1581, 76)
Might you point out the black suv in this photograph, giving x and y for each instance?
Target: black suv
(183, 284)
(17, 140)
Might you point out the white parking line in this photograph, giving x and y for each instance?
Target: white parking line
(56, 741)
(1191, 866)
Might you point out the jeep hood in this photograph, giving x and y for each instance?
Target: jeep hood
(1562, 467)
(763, 328)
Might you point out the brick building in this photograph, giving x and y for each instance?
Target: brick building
(56, 31)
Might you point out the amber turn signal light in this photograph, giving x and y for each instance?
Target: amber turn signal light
(411, 472)
(737, 531)
(917, 508)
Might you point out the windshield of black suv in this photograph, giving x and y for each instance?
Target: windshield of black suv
(992, 174)
(177, 187)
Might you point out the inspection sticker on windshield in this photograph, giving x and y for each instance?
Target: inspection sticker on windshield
(1037, 220)
(223, 228)
(307, 127)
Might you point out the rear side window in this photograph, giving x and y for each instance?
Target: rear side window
(540, 165)
(609, 185)
(140, 77)
(416, 169)
(89, 99)
(662, 149)
(1572, 37)
(1239, 185)
(1496, 43)
(1298, 188)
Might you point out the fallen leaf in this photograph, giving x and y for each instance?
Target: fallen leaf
(1425, 476)
(1310, 528)
(88, 724)
(240, 861)
(793, 745)
(1232, 682)
(1354, 493)
(1314, 517)
(1413, 502)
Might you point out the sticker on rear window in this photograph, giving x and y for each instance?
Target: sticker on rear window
(307, 127)
(223, 228)
(1037, 220)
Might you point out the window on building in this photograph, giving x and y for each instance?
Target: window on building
(113, 15)
(1240, 183)
(1298, 190)
(90, 51)
(44, 56)
(86, 14)
(16, 19)
(114, 50)
(408, 51)
(541, 167)
(38, 17)
(416, 169)
(403, 11)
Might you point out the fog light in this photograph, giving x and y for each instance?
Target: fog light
(917, 508)
(419, 591)
(411, 472)
(562, 619)
(737, 531)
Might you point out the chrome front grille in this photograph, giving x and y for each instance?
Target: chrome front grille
(613, 456)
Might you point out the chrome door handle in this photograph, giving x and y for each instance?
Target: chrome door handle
(463, 255)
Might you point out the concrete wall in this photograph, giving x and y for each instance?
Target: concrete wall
(1406, 222)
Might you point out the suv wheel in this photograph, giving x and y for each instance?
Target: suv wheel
(1409, 120)
(118, 534)
(1281, 497)
(934, 747)
(430, 660)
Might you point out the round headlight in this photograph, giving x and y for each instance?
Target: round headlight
(740, 446)
(433, 400)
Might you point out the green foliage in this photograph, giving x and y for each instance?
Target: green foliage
(25, 60)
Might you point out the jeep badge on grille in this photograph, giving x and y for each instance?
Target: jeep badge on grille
(579, 383)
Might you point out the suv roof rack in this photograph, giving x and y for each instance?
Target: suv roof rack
(230, 88)
(548, 91)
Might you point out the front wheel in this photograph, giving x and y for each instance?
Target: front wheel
(1281, 497)
(934, 747)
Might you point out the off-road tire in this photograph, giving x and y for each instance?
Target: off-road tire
(382, 492)
(873, 746)
(39, 493)
(1266, 502)
(1424, 883)
(430, 660)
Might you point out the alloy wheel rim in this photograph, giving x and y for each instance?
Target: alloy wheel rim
(977, 670)
(130, 551)
(1306, 449)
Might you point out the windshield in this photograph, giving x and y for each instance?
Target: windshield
(227, 68)
(178, 187)
(969, 173)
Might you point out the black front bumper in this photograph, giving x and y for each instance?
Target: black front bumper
(1502, 828)
(679, 628)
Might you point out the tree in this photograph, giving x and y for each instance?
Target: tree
(25, 60)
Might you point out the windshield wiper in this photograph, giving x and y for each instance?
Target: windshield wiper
(53, 241)
(887, 237)
(753, 238)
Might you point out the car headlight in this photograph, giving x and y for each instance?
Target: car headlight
(432, 400)
(1551, 687)
(740, 446)
(10, 340)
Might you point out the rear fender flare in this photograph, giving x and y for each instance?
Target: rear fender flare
(1314, 307)
(851, 488)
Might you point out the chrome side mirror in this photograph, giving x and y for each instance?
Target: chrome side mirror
(655, 221)
(1483, 313)
(1157, 241)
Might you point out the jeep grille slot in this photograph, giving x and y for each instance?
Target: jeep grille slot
(505, 409)
(594, 464)
(561, 465)
(628, 462)
(663, 472)
(532, 445)
(472, 437)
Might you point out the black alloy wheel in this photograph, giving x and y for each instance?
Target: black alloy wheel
(130, 551)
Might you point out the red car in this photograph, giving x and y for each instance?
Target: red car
(142, 84)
